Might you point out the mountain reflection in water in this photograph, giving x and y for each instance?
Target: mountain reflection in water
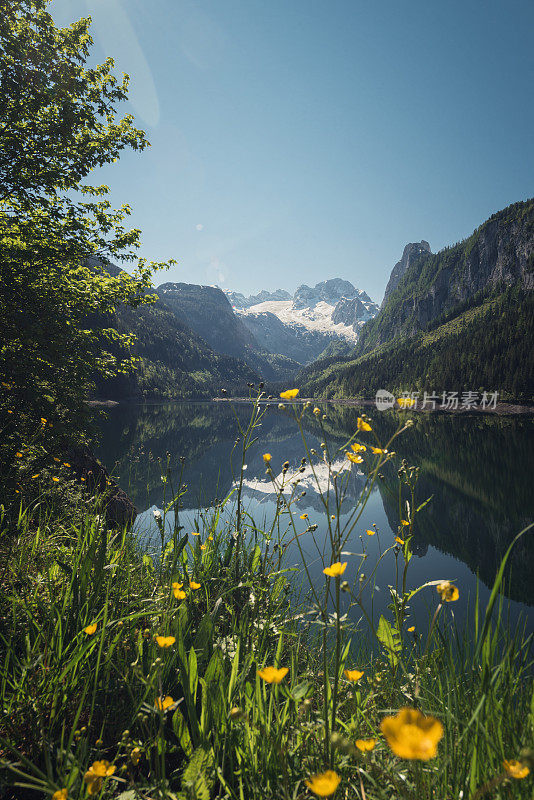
(477, 469)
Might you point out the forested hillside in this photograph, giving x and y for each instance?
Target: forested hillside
(459, 320)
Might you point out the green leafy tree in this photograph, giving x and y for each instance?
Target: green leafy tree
(59, 122)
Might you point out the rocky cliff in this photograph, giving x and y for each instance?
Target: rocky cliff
(412, 251)
(500, 253)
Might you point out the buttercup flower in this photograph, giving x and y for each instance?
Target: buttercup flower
(516, 769)
(378, 451)
(195, 533)
(316, 411)
(95, 775)
(289, 394)
(362, 425)
(365, 744)
(411, 630)
(55, 479)
(324, 783)
(370, 532)
(304, 516)
(202, 546)
(165, 641)
(135, 756)
(18, 455)
(399, 540)
(273, 675)
(60, 794)
(353, 674)
(178, 592)
(90, 629)
(359, 448)
(353, 458)
(193, 585)
(267, 457)
(447, 591)
(43, 421)
(412, 735)
(404, 522)
(163, 703)
(335, 570)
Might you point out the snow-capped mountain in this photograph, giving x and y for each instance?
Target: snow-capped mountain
(302, 326)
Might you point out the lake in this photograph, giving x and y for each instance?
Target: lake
(477, 470)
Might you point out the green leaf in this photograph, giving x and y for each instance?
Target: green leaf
(390, 638)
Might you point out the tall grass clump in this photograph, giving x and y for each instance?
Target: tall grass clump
(198, 670)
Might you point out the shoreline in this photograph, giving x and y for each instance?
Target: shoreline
(501, 409)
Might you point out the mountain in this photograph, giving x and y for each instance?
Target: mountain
(302, 326)
(458, 320)
(410, 253)
(208, 312)
(239, 300)
(173, 360)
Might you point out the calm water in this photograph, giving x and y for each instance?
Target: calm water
(478, 471)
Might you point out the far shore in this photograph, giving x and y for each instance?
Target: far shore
(501, 409)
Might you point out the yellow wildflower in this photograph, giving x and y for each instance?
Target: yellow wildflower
(177, 590)
(6, 385)
(399, 540)
(56, 459)
(378, 451)
(90, 629)
(406, 402)
(43, 421)
(289, 394)
(316, 411)
(365, 744)
(324, 783)
(412, 735)
(9, 411)
(359, 448)
(163, 703)
(135, 756)
(66, 464)
(18, 455)
(210, 538)
(304, 516)
(60, 794)
(35, 476)
(353, 458)
(335, 570)
(195, 533)
(56, 480)
(447, 591)
(404, 522)
(267, 457)
(370, 532)
(353, 674)
(202, 546)
(95, 775)
(165, 641)
(194, 585)
(516, 769)
(411, 630)
(362, 425)
(273, 675)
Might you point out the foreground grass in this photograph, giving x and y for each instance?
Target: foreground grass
(188, 673)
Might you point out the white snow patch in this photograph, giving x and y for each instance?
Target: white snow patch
(316, 318)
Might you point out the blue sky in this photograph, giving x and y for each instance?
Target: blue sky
(299, 140)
